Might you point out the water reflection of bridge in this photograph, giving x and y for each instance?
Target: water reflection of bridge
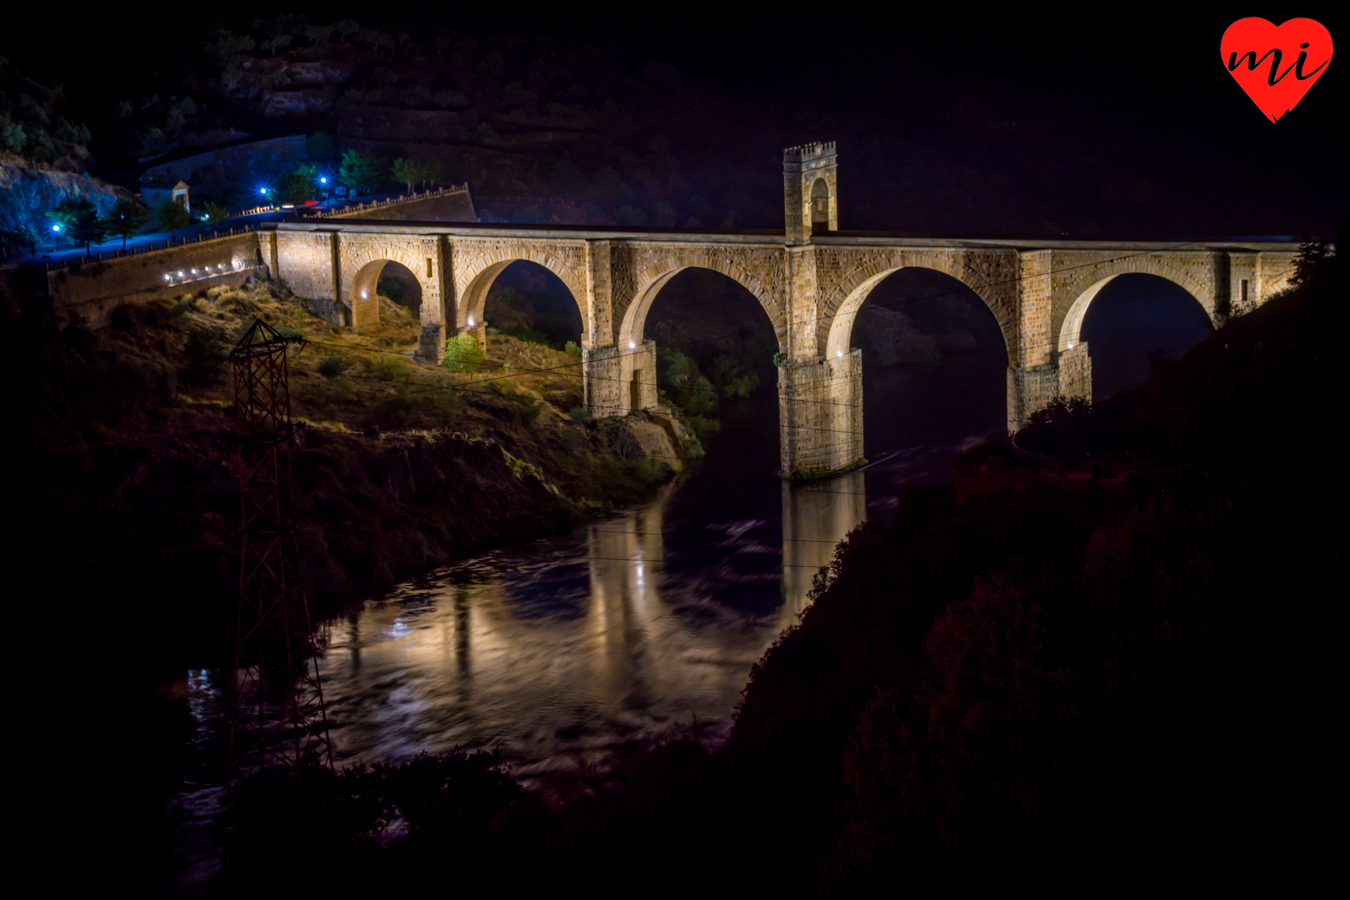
(569, 647)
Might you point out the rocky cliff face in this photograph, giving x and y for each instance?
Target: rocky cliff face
(28, 192)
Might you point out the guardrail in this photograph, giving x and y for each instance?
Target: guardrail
(390, 201)
(52, 265)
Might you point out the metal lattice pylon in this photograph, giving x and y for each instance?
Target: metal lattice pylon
(277, 703)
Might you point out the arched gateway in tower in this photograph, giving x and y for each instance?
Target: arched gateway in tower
(810, 281)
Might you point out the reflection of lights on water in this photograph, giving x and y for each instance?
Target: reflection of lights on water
(198, 691)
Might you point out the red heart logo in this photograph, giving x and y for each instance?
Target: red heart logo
(1276, 64)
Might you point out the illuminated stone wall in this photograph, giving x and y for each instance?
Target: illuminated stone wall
(1075, 373)
(93, 289)
(810, 286)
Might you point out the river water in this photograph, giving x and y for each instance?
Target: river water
(562, 649)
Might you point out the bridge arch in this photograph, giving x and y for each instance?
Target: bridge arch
(836, 326)
(475, 282)
(634, 321)
(637, 363)
(1067, 321)
(363, 269)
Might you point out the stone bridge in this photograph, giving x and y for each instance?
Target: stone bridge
(810, 281)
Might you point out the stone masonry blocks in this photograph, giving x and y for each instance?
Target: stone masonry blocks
(809, 284)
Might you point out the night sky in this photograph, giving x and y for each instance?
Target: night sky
(1122, 124)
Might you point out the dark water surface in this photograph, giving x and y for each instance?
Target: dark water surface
(565, 648)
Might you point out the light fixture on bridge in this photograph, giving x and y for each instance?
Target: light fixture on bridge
(632, 345)
(470, 321)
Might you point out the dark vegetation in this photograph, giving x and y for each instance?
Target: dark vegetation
(125, 492)
(1055, 673)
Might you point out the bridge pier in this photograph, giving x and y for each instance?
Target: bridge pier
(431, 343)
(820, 415)
(1034, 388)
(619, 380)
(602, 374)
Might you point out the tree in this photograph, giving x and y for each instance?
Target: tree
(375, 38)
(126, 218)
(432, 170)
(297, 186)
(404, 170)
(1314, 263)
(172, 215)
(78, 218)
(423, 170)
(213, 212)
(360, 171)
(345, 28)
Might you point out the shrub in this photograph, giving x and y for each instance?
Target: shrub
(462, 354)
(654, 471)
(332, 367)
(578, 414)
(572, 350)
